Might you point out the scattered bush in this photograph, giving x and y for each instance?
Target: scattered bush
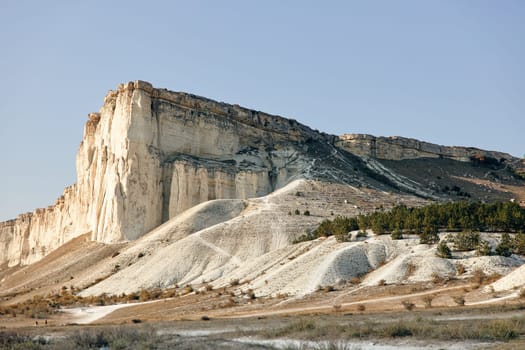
(111, 338)
(484, 248)
(504, 248)
(251, 294)
(438, 279)
(459, 299)
(460, 269)
(429, 235)
(396, 234)
(443, 251)
(411, 268)
(408, 305)
(337, 307)
(478, 277)
(187, 290)
(234, 282)
(518, 244)
(427, 300)
(355, 280)
(306, 213)
(399, 330)
(466, 240)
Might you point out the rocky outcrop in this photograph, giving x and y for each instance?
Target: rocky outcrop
(149, 154)
(399, 148)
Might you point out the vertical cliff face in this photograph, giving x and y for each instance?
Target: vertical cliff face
(149, 154)
(31, 236)
(119, 181)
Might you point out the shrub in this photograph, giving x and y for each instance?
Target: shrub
(478, 277)
(411, 268)
(443, 251)
(361, 307)
(251, 294)
(297, 212)
(408, 305)
(437, 278)
(466, 240)
(504, 247)
(429, 235)
(339, 226)
(234, 282)
(484, 248)
(396, 234)
(460, 269)
(501, 329)
(306, 213)
(355, 280)
(308, 236)
(459, 299)
(187, 290)
(518, 244)
(399, 330)
(144, 295)
(427, 300)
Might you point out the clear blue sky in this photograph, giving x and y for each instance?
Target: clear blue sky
(449, 72)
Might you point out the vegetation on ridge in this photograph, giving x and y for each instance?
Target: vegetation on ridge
(426, 221)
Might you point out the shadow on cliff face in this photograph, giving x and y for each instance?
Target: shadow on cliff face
(333, 164)
(430, 178)
(457, 180)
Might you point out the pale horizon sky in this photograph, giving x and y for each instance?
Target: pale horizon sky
(449, 72)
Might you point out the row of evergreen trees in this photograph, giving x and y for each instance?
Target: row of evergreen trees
(453, 216)
(428, 220)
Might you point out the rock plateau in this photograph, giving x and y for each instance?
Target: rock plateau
(170, 174)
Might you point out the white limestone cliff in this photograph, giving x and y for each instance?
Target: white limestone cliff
(149, 154)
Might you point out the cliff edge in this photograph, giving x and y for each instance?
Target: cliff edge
(149, 154)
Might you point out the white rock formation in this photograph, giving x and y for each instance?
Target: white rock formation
(149, 154)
